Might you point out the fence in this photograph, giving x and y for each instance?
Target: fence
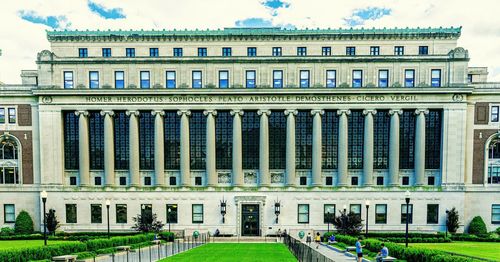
(304, 252)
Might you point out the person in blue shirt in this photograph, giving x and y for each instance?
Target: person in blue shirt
(331, 239)
(384, 252)
(359, 249)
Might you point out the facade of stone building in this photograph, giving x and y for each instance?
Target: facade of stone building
(221, 129)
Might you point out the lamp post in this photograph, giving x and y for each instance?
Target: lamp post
(367, 204)
(108, 203)
(277, 210)
(446, 224)
(168, 218)
(344, 219)
(43, 195)
(223, 206)
(328, 220)
(407, 199)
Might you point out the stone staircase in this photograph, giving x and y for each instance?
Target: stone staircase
(236, 239)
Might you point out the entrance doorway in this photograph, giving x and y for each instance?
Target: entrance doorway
(250, 220)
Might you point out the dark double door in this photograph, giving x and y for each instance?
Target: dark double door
(250, 220)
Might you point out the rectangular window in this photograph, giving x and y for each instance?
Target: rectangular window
(431, 181)
(71, 214)
(145, 81)
(301, 51)
(177, 51)
(354, 181)
(93, 79)
(403, 214)
(278, 79)
(326, 51)
(95, 213)
(399, 50)
(329, 181)
(355, 209)
(198, 181)
(2, 115)
(494, 114)
(226, 51)
(495, 214)
(202, 51)
(250, 78)
(12, 115)
(172, 181)
(68, 79)
(303, 181)
(380, 214)
(119, 79)
(303, 213)
(328, 213)
(409, 78)
(223, 79)
(123, 181)
(436, 77)
(350, 50)
(423, 50)
(72, 180)
(106, 52)
(405, 181)
(304, 78)
(121, 213)
(276, 51)
(197, 77)
(331, 78)
(251, 51)
(469, 78)
(380, 181)
(374, 50)
(83, 52)
(383, 78)
(154, 52)
(197, 214)
(147, 181)
(147, 213)
(171, 213)
(170, 79)
(432, 213)
(9, 213)
(97, 181)
(130, 52)
(357, 78)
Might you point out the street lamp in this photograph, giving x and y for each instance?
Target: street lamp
(407, 199)
(168, 218)
(277, 210)
(367, 204)
(43, 195)
(328, 220)
(223, 206)
(108, 203)
(345, 208)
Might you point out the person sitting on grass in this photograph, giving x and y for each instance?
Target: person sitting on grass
(384, 252)
(359, 250)
(317, 239)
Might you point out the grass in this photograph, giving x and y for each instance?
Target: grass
(13, 244)
(488, 250)
(241, 252)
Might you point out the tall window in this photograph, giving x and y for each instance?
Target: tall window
(106, 52)
(154, 52)
(433, 139)
(68, 79)
(12, 115)
(436, 77)
(350, 50)
(145, 81)
(303, 140)
(355, 140)
(130, 52)
(423, 50)
(224, 140)
(197, 214)
(95, 213)
(172, 214)
(432, 213)
(93, 79)
(278, 79)
(252, 51)
(9, 213)
(410, 214)
(407, 140)
(9, 151)
(119, 79)
(172, 134)
(226, 51)
(328, 213)
(197, 133)
(250, 138)
(304, 78)
(331, 76)
(277, 140)
(170, 76)
(355, 209)
(121, 213)
(121, 140)
(330, 127)
(177, 51)
(301, 51)
(202, 51)
(303, 213)
(494, 115)
(380, 214)
(223, 79)
(409, 78)
(146, 140)
(71, 152)
(374, 50)
(197, 79)
(383, 78)
(326, 51)
(276, 51)
(250, 78)
(357, 78)
(96, 139)
(71, 214)
(493, 166)
(147, 213)
(381, 140)
(495, 214)
(83, 52)
(399, 50)
(2, 115)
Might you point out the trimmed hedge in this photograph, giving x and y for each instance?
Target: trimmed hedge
(412, 238)
(40, 253)
(474, 238)
(37, 236)
(167, 236)
(477, 226)
(24, 223)
(96, 244)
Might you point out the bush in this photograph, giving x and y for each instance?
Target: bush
(452, 220)
(85, 255)
(477, 226)
(349, 224)
(52, 222)
(22, 237)
(24, 223)
(167, 236)
(6, 231)
(95, 244)
(40, 253)
(474, 238)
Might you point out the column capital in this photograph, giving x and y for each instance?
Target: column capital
(264, 111)
(132, 112)
(184, 112)
(82, 112)
(343, 111)
(291, 112)
(236, 111)
(420, 111)
(317, 111)
(210, 112)
(395, 111)
(107, 112)
(156, 112)
(369, 111)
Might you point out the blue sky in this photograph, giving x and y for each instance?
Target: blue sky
(25, 21)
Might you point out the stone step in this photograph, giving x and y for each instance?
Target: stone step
(244, 239)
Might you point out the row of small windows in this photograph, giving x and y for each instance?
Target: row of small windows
(251, 79)
(252, 51)
(10, 113)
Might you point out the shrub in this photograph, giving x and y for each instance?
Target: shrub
(24, 223)
(6, 231)
(477, 226)
(349, 224)
(95, 244)
(452, 221)
(147, 223)
(84, 255)
(52, 222)
(40, 253)
(167, 236)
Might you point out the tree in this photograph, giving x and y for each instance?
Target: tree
(52, 222)
(477, 226)
(348, 224)
(452, 221)
(24, 224)
(147, 223)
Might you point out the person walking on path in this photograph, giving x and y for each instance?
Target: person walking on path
(309, 239)
(317, 239)
(359, 250)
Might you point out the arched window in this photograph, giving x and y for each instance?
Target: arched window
(494, 161)
(9, 160)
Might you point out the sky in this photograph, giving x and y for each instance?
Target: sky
(24, 22)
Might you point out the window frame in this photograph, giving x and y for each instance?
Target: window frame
(308, 79)
(332, 215)
(386, 78)
(354, 79)
(193, 221)
(227, 51)
(326, 51)
(129, 52)
(93, 83)
(202, 52)
(374, 50)
(154, 52)
(83, 52)
(2, 116)
(66, 81)
(167, 83)
(118, 217)
(403, 214)
(7, 215)
(430, 220)
(422, 48)
(120, 80)
(280, 79)
(380, 218)
(277, 51)
(352, 209)
(406, 79)
(106, 52)
(142, 81)
(247, 79)
(495, 210)
(66, 206)
(11, 115)
(350, 50)
(333, 81)
(433, 79)
(399, 50)
(176, 212)
(193, 79)
(494, 112)
(98, 221)
(299, 213)
(251, 51)
(223, 83)
(177, 52)
(301, 51)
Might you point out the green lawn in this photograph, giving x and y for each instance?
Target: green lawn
(488, 250)
(241, 252)
(8, 244)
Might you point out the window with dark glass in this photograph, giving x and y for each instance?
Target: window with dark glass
(202, 51)
(303, 181)
(409, 78)
(106, 52)
(304, 78)
(423, 50)
(178, 51)
(147, 181)
(469, 78)
(172, 181)
(431, 181)
(83, 52)
(383, 78)
(223, 79)
(278, 79)
(381, 135)
(72, 180)
(9, 213)
(154, 52)
(329, 181)
(130, 52)
(198, 181)
(250, 78)
(123, 181)
(380, 181)
(331, 78)
(147, 213)
(374, 50)
(328, 213)
(354, 181)
(399, 50)
(121, 129)
(98, 181)
(436, 77)
(329, 133)
(350, 50)
(172, 214)
(403, 214)
(96, 139)
(170, 76)
(433, 139)
(145, 79)
(494, 115)
(223, 140)
(407, 140)
(303, 214)
(121, 213)
(197, 139)
(276, 51)
(197, 79)
(250, 139)
(405, 181)
(357, 78)
(12, 115)
(95, 213)
(355, 209)
(71, 152)
(380, 214)
(226, 51)
(277, 140)
(326, 51)
(172, 133)
(432, 213)
(301, 51)
(2, 115)
(303, 140)
(252, 51)
(355, 140)
(119, 79)
(495, 214)
(68, 79)
(71, 214)
(197, 213)
(146, 140)
(93, 79)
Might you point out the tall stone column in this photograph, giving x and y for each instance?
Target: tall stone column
(342, 164)
(185, 163)
(420, 146)
(238, 179)
(133, 139)
(265, 179)
(83, 147)
(316, 147)
(290, 146)
(368, 148)
(109, 148)
(394, 147)
(159, 148)
(211, 148)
